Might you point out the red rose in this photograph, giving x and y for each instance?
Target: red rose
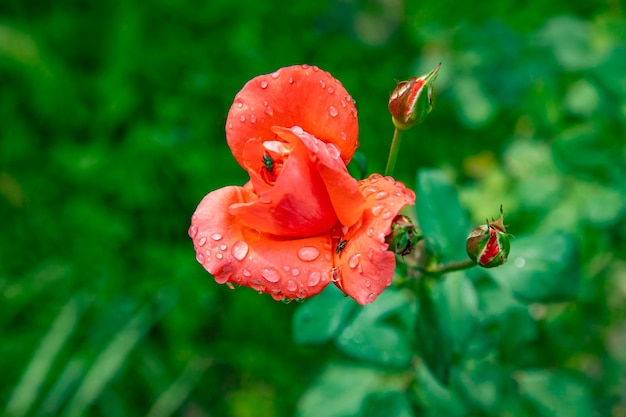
(301, 221)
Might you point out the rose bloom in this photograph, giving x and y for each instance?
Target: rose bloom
(302, 221)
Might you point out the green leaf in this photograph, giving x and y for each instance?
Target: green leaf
(541, 268)
(434, 337)
(341, 389)
(358, 165)
(555, 393)
(582, 149)
(458, 303)
(388, 404)
(436, 399)
(318, 319)
(481, 383)
(440, 214)
(378, 333)
(510, 321)
(569, 39)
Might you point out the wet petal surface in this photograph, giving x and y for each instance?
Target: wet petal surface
(298, 203)
(299, 95)
(234, 253)
(364, 267)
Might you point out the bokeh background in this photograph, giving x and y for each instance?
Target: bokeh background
(112, 130)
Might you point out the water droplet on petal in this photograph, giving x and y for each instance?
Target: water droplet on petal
(290, 80)
(221, 279)
(269, 110)
(381, 195)
(369, 190)
(330, 90)
(368, 283)
(257, 285)
(332, 110)
(200, 257)
(376, 210)
(333, 151)
(193, 231)
(314, 278)
(275, 74)
(371, 297)
(343, 136)
(308, 253)
(219, 256)
(263, 84)
(370, 254)
(354, 260)
(315, 68)
(343, 103)
(387, 215)
(305, 66)
(239, 250)
(223, 246)
(239, 104)
(242, 118)
(252, 118)
(216, 236)
(270, 274)
(322, 84)
(370, 232)
(336, 274)
(295, 272)
(246, 273)
(202, 241)
(291, 285)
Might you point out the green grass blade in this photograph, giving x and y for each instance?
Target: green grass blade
(27, 390)
(112, 357)
(171, 399)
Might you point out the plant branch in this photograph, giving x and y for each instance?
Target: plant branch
(438, 270)
(393, 152)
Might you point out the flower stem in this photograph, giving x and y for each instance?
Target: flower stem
(452, 266)
(393, 152)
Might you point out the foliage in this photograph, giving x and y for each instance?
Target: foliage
(112, 130)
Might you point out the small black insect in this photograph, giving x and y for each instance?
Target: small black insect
(342, 244)
(268, 162)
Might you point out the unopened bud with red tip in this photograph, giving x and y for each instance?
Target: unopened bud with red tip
(403, 237)
(411, 101)
(488, 245)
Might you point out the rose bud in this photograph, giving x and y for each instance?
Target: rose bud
(403, 237)
(488, 245)
(411, 101)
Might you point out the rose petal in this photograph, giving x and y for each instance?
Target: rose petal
(343, 189)
(364, 268)
(300, 95)
(298, 205)
(234, 253)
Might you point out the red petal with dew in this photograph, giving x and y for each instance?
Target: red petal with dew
(364, 268)
(297, 205)
(345, 195)
(234, 253)
(299, 95)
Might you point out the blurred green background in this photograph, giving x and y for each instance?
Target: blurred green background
(112, 130)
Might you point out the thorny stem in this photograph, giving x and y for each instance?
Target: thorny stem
(438, 270)
(393, 152)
